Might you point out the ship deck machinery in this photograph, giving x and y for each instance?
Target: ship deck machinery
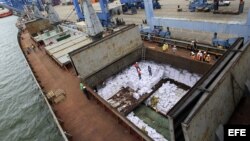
(136, 4)
(205, 6)
(236, 29)
(162, 36)
(19, 5)
(104, 16)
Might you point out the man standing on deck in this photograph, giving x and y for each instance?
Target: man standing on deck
(84, 90)
(149, 37)
(194, 45)
(174, 49)
(208, 58)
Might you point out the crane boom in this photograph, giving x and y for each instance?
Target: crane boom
(78, 10)
(104, 15)
(94, 26)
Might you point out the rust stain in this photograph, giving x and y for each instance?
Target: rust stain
(205, 135)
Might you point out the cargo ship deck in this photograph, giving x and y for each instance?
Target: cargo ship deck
(84, 119)
(81, 118)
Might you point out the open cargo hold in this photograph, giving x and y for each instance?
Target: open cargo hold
(108, 57)
(114, 53)
(125, 91)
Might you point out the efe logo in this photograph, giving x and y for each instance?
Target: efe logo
(237, 132)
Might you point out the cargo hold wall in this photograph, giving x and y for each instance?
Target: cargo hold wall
(113, 68)
(177, 61)
(220, 99)
(97, 55)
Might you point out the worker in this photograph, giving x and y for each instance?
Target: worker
(149, 37)
(216, 4)
(141, 27)
(149, 70)
(27, 51)
(204, 56)
(220, 47)
(33, 48)
(84, 90)
(195, 45)
(139, 74)
(201, 56)
(165, 47)
(198, 55)
(241, 6)
(136, 65)
(192, 46)
(192, 55)
(39, 46)
(208, 58)
(174, 49)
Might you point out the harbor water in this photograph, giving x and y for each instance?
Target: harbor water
(24, 115)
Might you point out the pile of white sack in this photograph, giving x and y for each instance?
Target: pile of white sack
(150, 131)
(168, 95)
(182, 76)
(129, 78)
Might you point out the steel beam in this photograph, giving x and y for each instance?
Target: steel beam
(149, 11)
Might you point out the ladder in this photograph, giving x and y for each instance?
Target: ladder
(143, 53)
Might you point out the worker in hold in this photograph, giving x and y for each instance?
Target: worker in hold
(139, 74)
(136, 65)
(208, 58)
(165, 47)
(84, 90)
(149, 70)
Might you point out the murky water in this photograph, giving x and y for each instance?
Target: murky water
(24, 116)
